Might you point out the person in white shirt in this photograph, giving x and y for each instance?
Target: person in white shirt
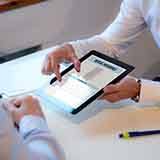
(134, 17)
(32, 139)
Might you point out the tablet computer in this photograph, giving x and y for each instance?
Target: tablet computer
(78, 89)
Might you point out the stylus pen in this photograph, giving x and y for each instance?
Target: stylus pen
(127, 135)
(52, 80)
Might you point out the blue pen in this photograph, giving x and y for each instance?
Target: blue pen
(127, 135)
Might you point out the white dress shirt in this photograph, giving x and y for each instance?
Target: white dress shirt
(134, 17)
(32, 142)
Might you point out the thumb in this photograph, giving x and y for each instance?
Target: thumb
(111, 89)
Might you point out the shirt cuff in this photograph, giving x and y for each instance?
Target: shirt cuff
(31, 123)
(150, 92)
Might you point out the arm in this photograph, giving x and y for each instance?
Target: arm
(38, 139)
(13, 146)
(150, 92)
(127, 26)
(34, 140)
(147, 92)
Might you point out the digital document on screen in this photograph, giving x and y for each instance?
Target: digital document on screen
(76, 87)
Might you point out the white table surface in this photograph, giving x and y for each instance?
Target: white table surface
(24, 74)
(93, 133)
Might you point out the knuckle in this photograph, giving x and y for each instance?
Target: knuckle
(29, 98)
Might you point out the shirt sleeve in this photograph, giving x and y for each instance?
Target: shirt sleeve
(150, 92)
(37, 137)
(32, 142)
(126, 27)
(12, 146)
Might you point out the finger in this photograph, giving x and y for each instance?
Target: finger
(111, 89)
(43, 70)
(55, 68)
(77, 64)
(101, 97)
(17, 102)
(112, 97)
(73, 58)
(12, 100)
(47, 69)
(9, 106)
(57, 72)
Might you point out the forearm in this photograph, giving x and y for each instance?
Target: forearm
(81, 47)
(115, 39)
(12, 146)
(150, 92)
(33, 140)
(38, 138)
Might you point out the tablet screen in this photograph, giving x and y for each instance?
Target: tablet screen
(76, 87)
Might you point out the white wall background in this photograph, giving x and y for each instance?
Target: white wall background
(57, 21)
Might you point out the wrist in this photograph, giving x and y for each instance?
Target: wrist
(31, 116)
(30, 124)
(21, 117)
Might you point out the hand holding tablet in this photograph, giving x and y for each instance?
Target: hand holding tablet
(78, 89)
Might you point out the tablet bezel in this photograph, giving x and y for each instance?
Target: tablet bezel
(128, 68)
